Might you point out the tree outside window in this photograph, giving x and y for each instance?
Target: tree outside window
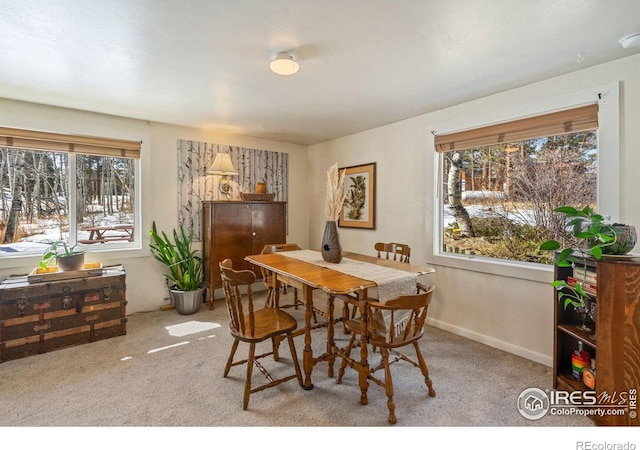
(498, 199)
(38, 206)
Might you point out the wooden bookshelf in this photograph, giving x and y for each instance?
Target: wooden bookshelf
(616, 347)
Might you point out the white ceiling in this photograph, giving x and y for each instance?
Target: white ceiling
(364, 63)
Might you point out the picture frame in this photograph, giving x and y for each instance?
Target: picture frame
(359, 210)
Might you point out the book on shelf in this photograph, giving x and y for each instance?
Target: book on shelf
(588, 287)
(581, 273)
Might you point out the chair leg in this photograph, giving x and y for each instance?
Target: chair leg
(347, 354)
(270, 302)
(388, 385)
(275, 343)
(345, 317)
(247, 383)
(425, 371)
(294, 356)
(313, 311)
(227, 367)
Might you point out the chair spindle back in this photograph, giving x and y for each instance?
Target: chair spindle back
(232, 282)
(393, 250)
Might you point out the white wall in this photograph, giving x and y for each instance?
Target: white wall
(505, 312)
(511, 313)
(145, 283)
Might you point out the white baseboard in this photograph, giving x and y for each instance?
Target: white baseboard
(492, 342)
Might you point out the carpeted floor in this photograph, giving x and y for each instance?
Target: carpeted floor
(167, 372)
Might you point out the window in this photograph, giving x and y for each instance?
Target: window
(500, 183)
(76, 189)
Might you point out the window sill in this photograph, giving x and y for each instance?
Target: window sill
(115, 254)
(526, 271)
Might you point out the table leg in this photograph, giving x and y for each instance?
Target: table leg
(211, 291)
(330, 333)
(364, 361)
(275, 290)
(307, 354)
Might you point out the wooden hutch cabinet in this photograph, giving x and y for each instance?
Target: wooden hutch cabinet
(235, 229)
(616, 346)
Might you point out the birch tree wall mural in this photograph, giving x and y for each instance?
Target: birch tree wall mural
(195, 185)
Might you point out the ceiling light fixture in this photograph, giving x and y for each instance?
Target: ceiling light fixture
(284, 64)
(630, 40)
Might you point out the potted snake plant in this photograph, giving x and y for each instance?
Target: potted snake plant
(186, 267)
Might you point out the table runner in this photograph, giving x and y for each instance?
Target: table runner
(391, 282)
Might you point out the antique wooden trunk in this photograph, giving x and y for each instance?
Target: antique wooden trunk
(50, 315)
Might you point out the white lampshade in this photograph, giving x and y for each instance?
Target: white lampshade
(222, 165)
(284, 64)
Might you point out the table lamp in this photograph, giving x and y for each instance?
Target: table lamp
(223, 166)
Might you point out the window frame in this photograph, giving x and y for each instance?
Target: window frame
(608, 194)
(135, 244)
(113, 250)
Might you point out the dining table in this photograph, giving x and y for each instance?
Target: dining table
(350, 280)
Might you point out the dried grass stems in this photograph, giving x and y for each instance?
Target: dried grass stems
(335, 193)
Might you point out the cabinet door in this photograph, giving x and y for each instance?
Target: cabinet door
(231, 237)
(268, 226)
(236, 229)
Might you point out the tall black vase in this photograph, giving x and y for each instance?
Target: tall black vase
(331, 248)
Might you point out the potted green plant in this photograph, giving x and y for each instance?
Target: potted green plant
(590, 236)
(64, 256)
(185, 266)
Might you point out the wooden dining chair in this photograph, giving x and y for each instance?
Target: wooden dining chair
(391, 325)
(393, 250)
(386, 250)
(269, 280)
(254, 326)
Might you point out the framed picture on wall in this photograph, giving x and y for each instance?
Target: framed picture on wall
(359, 210)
